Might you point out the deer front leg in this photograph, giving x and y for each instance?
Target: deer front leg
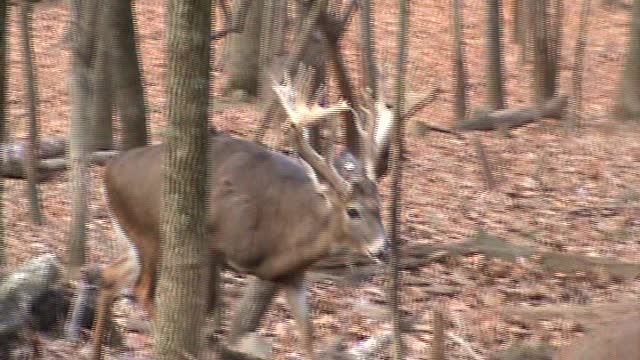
(214, 300)
(296, 295)
(254, 303)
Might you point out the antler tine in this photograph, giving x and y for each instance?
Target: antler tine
(378, 127)
(367, 131)
(295, 101)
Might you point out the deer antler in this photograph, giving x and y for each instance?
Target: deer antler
(303, 110)
(378, 126)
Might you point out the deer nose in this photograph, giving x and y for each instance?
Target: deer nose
(379, 250)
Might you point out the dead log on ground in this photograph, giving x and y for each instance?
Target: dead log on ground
(612, 330)
(13, 166)
(591, 317)
(512, 118)
(617, 340)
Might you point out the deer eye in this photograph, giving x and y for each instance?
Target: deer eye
(353, 213)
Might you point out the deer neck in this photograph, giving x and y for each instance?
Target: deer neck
(318, 244)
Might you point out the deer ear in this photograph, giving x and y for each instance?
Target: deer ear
(349, 168)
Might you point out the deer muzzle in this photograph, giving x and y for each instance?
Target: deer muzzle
(378, 250)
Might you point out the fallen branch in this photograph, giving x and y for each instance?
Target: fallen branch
(14, 166)
(512, 118)
(492, 247)
(465, 345)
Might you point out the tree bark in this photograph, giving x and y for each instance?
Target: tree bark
(103, 85)
(314, 57)
(83, 30)
(185, 264)
(26, 10)
(369, 67)
(575, 107)
(244, 52)
(126, 73)
(459, 69)
(546, 33)
(495, 71)
(628, 98)
(4, 16)
(395, 207)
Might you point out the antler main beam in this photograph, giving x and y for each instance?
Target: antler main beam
(303, 111)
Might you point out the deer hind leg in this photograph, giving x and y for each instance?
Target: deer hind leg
(114, 278)
(145, 287)
(296, 296)
(254, 303)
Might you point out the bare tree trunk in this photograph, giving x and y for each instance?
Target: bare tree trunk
(369, 67)
(127, 74)
(314, 57)
(495, 71)
(628, 98)
(575, 100)
(395, 207)
(270, 37)
(83, 32)
(459, 69)
(103, 86)
(546, 48)
(26, 9)
(4, 49)
(438, 343)
(522, 27)
(185, 265)
(244, 51)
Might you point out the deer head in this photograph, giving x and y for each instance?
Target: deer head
(349, 184)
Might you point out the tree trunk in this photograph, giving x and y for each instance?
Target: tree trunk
(459, 69)
(495, 71)
(575, 107)
(395, 207)
(369, 67)
(628, 98)
(26, 9)
(522, 28)
(243, 52)
(126, 74)
(271, 35)
(103, 86)
(546, 42)
(314, 57)
(185, 263)
(4, 16)
(83, 30)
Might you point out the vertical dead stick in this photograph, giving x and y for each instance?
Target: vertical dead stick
(486, 166)
(437, 347)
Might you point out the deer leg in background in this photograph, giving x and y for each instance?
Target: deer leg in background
(296, 294)
(254, 303)
(214, 304)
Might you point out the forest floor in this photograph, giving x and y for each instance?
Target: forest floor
(573, 192)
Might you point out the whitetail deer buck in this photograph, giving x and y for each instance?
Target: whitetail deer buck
(270, 215)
